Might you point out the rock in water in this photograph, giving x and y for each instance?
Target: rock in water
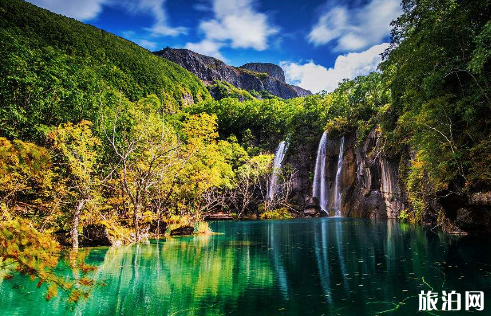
(181, 231)
(157, 227)
(312, 211)
(95, 235)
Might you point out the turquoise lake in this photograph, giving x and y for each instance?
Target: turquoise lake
(328, 266)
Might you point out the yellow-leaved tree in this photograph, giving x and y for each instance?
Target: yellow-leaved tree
(29, 206)
(75, 157)
(146, 150)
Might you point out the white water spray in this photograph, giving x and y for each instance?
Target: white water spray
(319, 187)
(337, 187)
(279, 155)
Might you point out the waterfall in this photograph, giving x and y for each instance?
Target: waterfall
(337, 187)
(279, 155)
(319, 187)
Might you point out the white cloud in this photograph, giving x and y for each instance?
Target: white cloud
(317, 78)
(235, 24)
(85, 10)
(80, 10)
(355, 29)
(156, 9)
(206, 47)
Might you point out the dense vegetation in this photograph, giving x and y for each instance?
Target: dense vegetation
(95, 130)
(259, 124)
(55, 70)
(440, 80)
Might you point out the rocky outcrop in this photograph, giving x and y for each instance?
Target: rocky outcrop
(464, 213)
(313, 211)
(210, 69)
(369, 180)
(274, 71)
(372, 186)
(92, 236)
(182, 231)
(480, 199)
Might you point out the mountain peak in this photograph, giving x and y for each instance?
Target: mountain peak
(272, 70)
(251, 76)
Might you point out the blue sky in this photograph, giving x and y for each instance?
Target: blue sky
(317, 42)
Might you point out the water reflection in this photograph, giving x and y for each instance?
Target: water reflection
(321, 244)
(275, 247)
(331, 266)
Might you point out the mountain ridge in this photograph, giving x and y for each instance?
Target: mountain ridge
(251, 76)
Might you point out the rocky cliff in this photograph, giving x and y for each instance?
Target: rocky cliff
(369, 180)
(372, 186)
(274, 71)
(253, 76)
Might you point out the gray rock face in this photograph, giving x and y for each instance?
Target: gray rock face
(369, 181)
(209, 69)
(272, 70)
(372, 187)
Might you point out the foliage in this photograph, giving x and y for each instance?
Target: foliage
(222, 89)
(25, 175)
(260, 124)
(438, 69)
(202, 227)
(281, 213)
(251, 183)
(75, 159)
(27, 251)
(404, 216)
(57, 70)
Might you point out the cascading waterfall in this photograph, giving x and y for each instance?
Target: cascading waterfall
(337, 187)
(279, 155)
(319, 187)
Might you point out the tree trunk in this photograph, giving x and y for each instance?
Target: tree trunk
(135, 222)
(158, 223)
(75, 223)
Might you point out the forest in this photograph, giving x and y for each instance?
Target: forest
(96, 131)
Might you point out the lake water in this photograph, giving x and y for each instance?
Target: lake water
(329, 266)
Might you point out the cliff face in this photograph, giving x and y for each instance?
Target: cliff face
(274, 71)
(254, 76)
(372, 186)
(371, 183)
(369, 180)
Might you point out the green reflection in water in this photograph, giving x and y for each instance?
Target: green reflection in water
(333, 266)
